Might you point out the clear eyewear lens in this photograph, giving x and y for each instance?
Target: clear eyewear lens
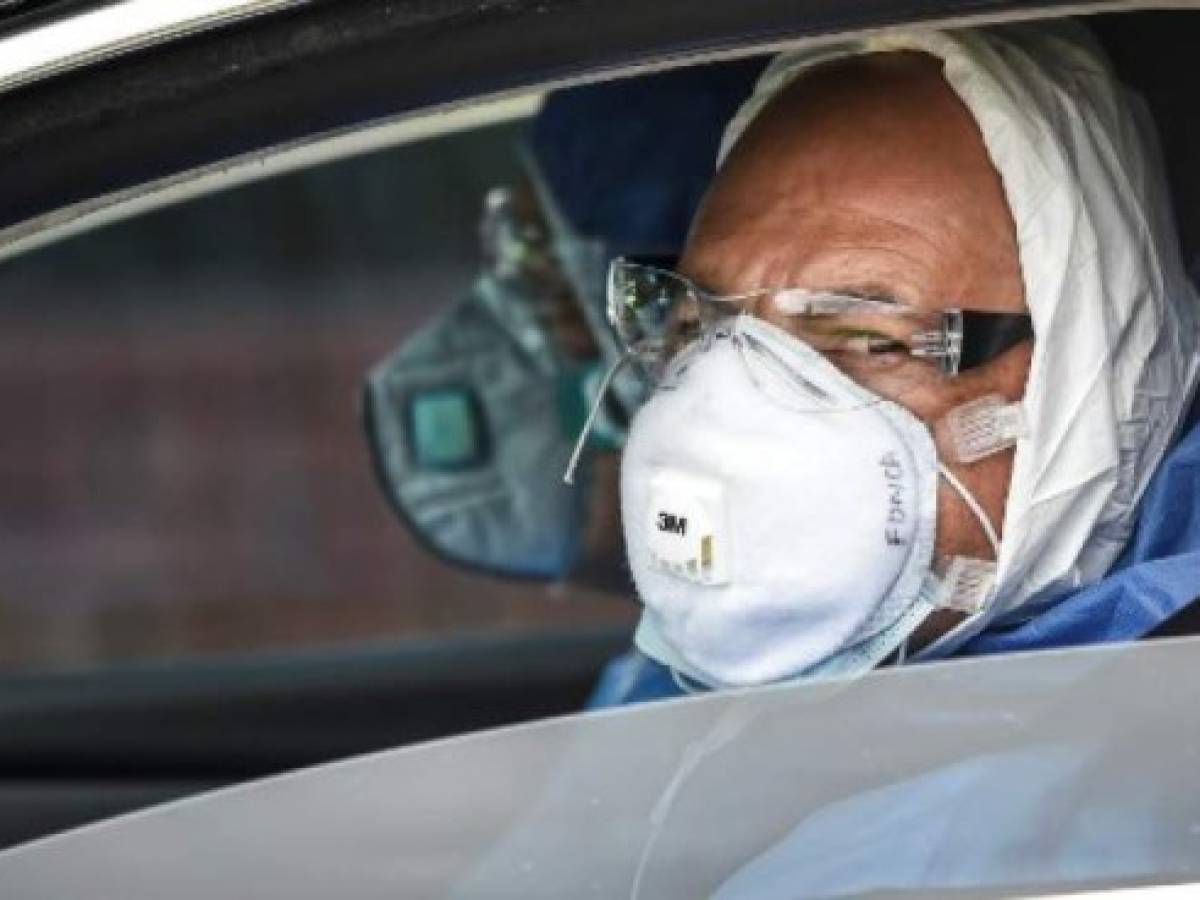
(852, 330)
(653, 311)
(884, 346)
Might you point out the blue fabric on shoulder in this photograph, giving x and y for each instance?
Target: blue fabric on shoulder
(1156, 576)
(632, 677)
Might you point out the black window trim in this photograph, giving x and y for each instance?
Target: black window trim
(86, 139)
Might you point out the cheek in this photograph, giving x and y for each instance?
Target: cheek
(958, 531)
(929, 396)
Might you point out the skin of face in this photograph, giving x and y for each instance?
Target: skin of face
(869, 175)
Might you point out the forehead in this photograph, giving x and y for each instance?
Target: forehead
(865, 170)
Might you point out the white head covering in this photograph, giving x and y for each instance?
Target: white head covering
(1116, 321)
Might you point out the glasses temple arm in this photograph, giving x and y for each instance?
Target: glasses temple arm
(988, 334)
(590, 421)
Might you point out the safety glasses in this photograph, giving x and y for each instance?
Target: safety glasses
(655, 312)
(662, 318)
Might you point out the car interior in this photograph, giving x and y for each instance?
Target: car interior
(203, 580)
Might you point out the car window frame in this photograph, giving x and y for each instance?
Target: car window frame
(118, 135)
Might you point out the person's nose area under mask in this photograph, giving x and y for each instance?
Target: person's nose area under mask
(771, 541)
(742, 582)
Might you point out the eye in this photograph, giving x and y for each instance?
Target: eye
(867, 353)
(881, 344)
(856, 342)
(868, 342)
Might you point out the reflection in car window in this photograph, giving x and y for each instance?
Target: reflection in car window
(183, 471)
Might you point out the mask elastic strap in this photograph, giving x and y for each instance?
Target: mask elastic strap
(590, 422)
(973, 505)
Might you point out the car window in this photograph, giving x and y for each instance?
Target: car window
(997, 777)
(184, 471)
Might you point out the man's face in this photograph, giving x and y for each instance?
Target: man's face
(870, 177)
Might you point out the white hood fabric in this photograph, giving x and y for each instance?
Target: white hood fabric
(1116, 321)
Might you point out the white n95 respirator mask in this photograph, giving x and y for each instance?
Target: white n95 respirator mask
(779, 517)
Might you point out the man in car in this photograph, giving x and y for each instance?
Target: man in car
(937, 340)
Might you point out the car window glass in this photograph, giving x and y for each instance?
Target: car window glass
(183, 467)
(1009, 776)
